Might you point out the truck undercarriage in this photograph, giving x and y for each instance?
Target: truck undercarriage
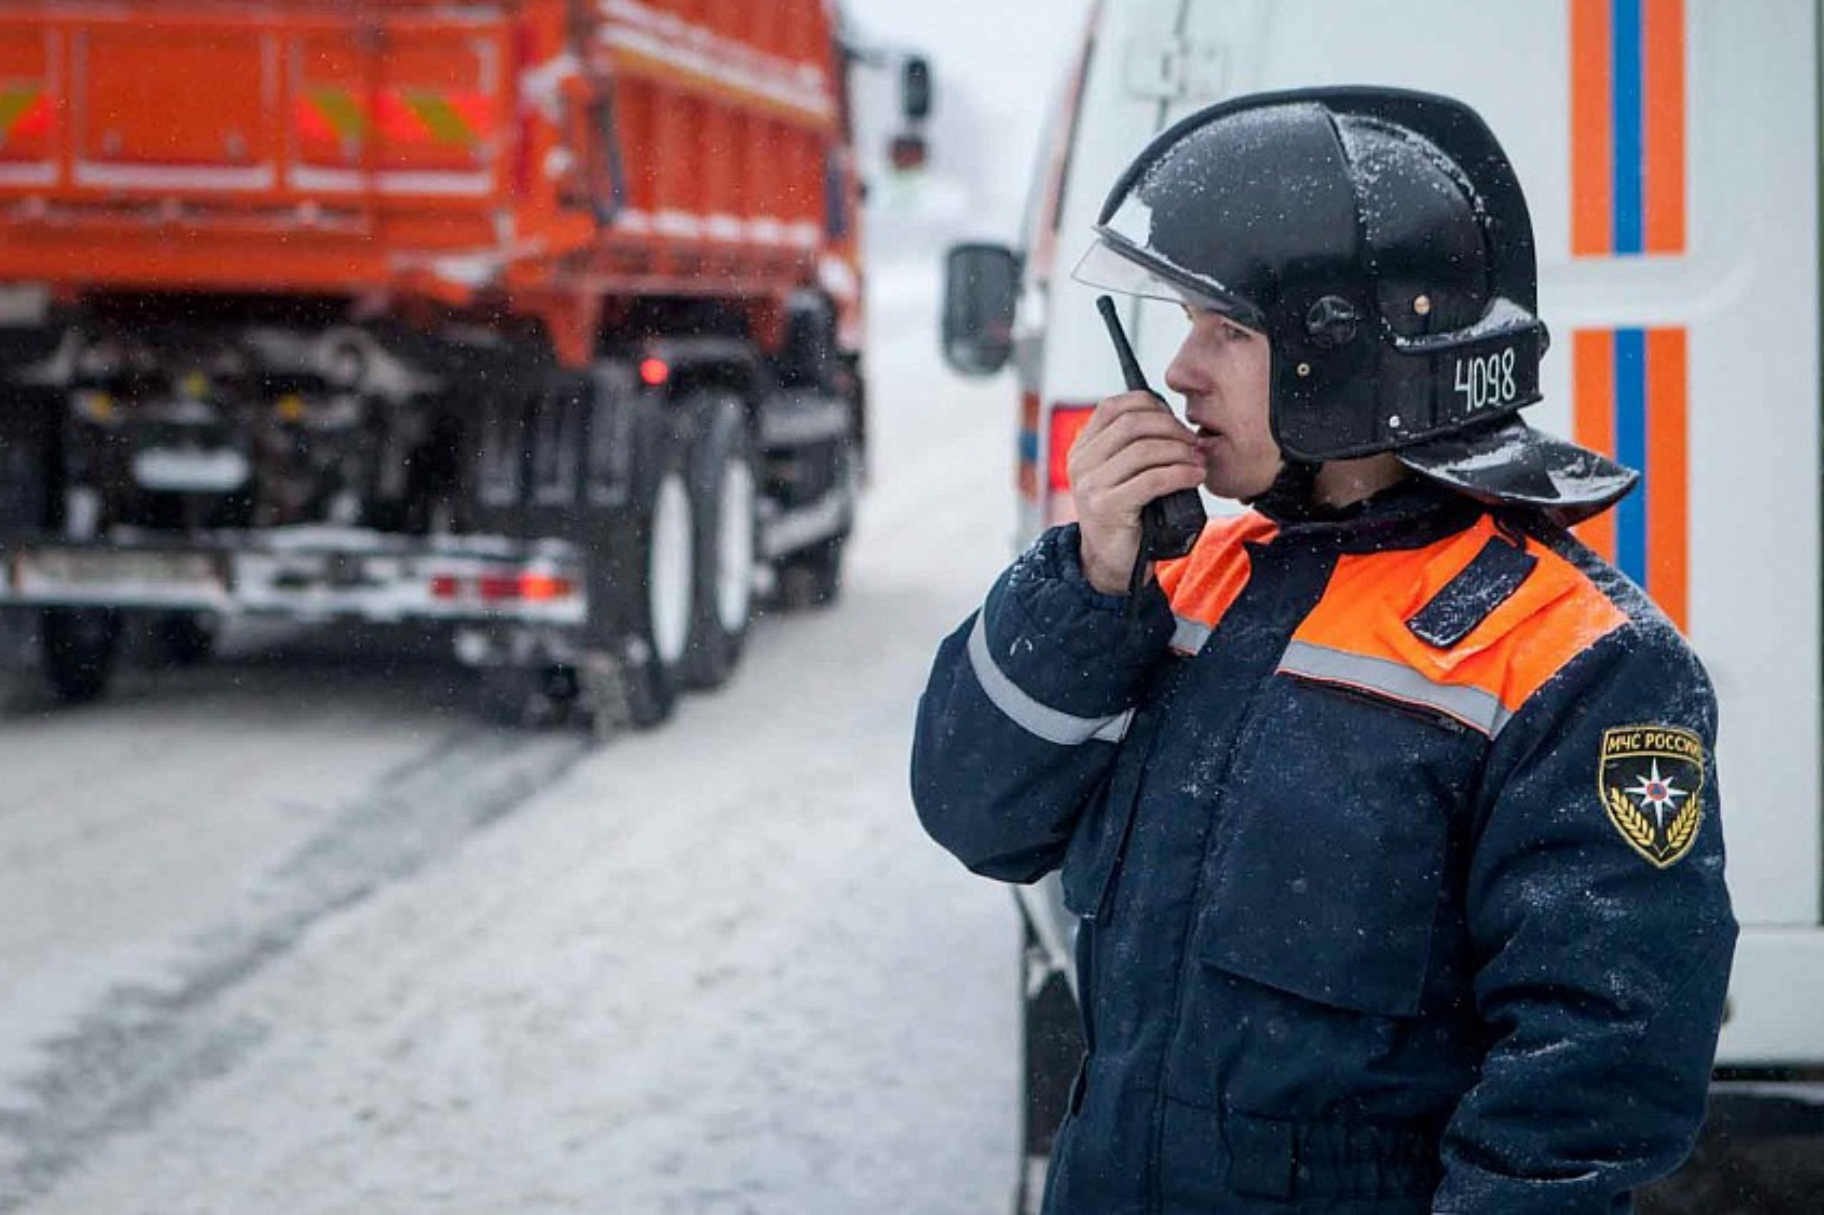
(572, 527)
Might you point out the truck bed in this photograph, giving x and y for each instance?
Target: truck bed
(415, 146)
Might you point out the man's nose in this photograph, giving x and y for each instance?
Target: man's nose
(1183, 376)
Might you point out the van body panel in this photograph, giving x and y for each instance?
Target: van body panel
(1067, 354)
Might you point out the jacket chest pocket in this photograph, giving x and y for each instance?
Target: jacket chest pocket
(1336, 837)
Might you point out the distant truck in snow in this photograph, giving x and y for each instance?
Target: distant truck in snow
(539, 320)
(1670, 154)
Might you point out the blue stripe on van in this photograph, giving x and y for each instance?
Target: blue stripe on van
(1631, 450)
(1628, 87)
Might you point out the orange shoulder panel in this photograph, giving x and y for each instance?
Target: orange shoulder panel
(1510, 655)
(1202, 584)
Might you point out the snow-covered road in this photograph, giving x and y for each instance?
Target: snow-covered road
(300, 936)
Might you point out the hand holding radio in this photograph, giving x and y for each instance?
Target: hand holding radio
(1134, 473)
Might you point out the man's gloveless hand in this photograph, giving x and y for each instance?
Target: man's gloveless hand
(1131, 451)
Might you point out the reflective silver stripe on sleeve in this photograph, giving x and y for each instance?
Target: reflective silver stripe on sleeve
(1473, 707)
(1189, 635)
(1047, 723)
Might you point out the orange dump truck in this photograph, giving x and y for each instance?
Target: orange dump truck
(536, 319)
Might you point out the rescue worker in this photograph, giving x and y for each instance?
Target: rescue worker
(1389, 813)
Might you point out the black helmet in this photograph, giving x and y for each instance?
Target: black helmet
(1380, 241)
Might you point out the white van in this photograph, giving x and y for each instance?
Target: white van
(1670, 154)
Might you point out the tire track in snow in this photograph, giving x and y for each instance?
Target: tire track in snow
(142, 1048)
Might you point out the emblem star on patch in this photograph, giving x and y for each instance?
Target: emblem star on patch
(1658, 793)
(1650, 780)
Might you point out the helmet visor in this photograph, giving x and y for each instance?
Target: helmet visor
(1116, 264)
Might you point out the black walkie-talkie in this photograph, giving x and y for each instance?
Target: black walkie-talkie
(1169, 525)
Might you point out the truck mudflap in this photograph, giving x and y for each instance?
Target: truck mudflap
(307, 573)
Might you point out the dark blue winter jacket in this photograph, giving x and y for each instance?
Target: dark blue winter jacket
(1395, 841)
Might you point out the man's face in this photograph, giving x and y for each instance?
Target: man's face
(1223, 372)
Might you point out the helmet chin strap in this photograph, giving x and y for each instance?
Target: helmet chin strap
(1291, 496)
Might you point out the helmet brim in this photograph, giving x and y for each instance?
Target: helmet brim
(1510, 463)
(1115, 264)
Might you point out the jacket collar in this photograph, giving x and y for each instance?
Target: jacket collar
(1411, 514)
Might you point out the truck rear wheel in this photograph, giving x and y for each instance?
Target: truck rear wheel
(724, 498)
(662, 602)
(79, 647)
(1051, 1048)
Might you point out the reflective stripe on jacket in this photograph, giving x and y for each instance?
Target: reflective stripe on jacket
(1395, 841)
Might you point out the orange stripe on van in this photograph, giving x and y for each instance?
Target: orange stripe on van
(1510, 655)
(1205, 584)
(1668, 474)
(1664, 98)
(1593, 365)
(1592, 130)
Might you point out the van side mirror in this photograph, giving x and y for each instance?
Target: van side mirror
(915, 88)
(981, 289)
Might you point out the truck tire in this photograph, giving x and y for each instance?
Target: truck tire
(1051, 1050)
(661, 608)
(78, 649)
(724, 533)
